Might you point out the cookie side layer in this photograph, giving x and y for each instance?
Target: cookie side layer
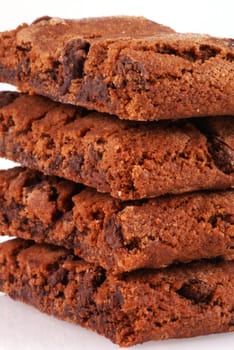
(129, 67)
(120, 236)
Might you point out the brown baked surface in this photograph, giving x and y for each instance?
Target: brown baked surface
(120, 236)
(130, 67)
(130, 160)
(181, 301)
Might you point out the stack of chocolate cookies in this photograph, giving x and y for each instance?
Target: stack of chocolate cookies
(124, 212)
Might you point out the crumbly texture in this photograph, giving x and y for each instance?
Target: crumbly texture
(119, 236)
(130, 160)
(177, 302)
(130, 67)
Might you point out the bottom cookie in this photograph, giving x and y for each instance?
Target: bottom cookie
(180, 301)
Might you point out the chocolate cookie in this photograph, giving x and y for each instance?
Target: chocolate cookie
(130, 160)
(130, 67)
(119, 236)
(176, 302)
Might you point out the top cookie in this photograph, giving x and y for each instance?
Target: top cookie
(127, 66)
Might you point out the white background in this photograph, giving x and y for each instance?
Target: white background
(22, 327)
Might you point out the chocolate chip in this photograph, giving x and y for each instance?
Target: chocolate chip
(113, 234)
(7, 97)
(213, 220)
(222, 154)
(73, 62)
(196, 290)
(133, 244)
(94, 89)
(118, 299)
(59, 276)
(75, 163)
(99, 278)
(55, 164)
(40, 19)
(94, 155)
